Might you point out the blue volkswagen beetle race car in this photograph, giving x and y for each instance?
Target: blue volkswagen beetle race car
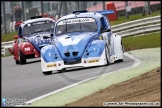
(82, 39)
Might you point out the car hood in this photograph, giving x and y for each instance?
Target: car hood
(37, 40)
(71, 46)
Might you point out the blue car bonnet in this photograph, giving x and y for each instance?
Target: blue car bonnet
(71, 46)
(37, 40)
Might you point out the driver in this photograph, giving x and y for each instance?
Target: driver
(38, 27)
(60, 30)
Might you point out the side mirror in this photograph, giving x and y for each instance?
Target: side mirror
(46, 37)
(51, 35)
(108, 30)
(20, 35)
(16, 37)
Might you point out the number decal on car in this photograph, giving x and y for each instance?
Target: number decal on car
(27, 49)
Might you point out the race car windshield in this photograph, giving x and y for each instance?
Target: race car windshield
(38, 27)
(76, 25)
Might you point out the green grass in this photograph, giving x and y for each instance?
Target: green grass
(123, 19)
(6, 55)
(151, 40)
(8, 36)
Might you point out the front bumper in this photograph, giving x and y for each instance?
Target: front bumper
(85, 62)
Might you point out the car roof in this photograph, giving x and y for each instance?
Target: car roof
(35, 20)
(88, 14)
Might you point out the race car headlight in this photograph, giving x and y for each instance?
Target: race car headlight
(21, 40)
(24, 40)
(93, 51)
(49, 55)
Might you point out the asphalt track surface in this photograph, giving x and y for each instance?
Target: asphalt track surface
(27, 81)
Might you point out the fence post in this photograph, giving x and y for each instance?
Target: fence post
(42, 8)
(95, 3)
(4, 17)
(78, 5)
(23, 13)
(149, 9)
(126, 13)
(84, 5)
(103, 5)
(64, 8)
(60, 9)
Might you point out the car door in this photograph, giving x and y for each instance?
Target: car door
(107, 36)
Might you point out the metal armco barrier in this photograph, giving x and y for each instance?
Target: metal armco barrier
(131, 28)
(5, 46)
(136, 23)
(140, 30)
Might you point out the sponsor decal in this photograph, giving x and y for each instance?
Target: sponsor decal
(51, 65)
(93, 61)
(27, 49)
(38, 23)
(77, 20)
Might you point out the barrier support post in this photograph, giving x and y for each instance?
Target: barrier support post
(126, 13)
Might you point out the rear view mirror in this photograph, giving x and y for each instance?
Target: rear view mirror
(46, 37)
(16, 37)
(108, 30)
(51, 35)
(20, 35)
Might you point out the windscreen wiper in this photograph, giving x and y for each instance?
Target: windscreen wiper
(49, 29)
(37, 31)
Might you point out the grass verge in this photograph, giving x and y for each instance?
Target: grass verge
(151, 40)
(6, 55)
(8, 37)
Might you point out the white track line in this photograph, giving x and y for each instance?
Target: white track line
(136, 63)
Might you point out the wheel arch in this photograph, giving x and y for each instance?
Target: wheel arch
(117, 44)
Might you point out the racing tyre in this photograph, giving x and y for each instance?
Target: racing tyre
(47, 73)
(62, 70)
(117, 61)
(22, 58)
(17, 62)
(107, 55)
